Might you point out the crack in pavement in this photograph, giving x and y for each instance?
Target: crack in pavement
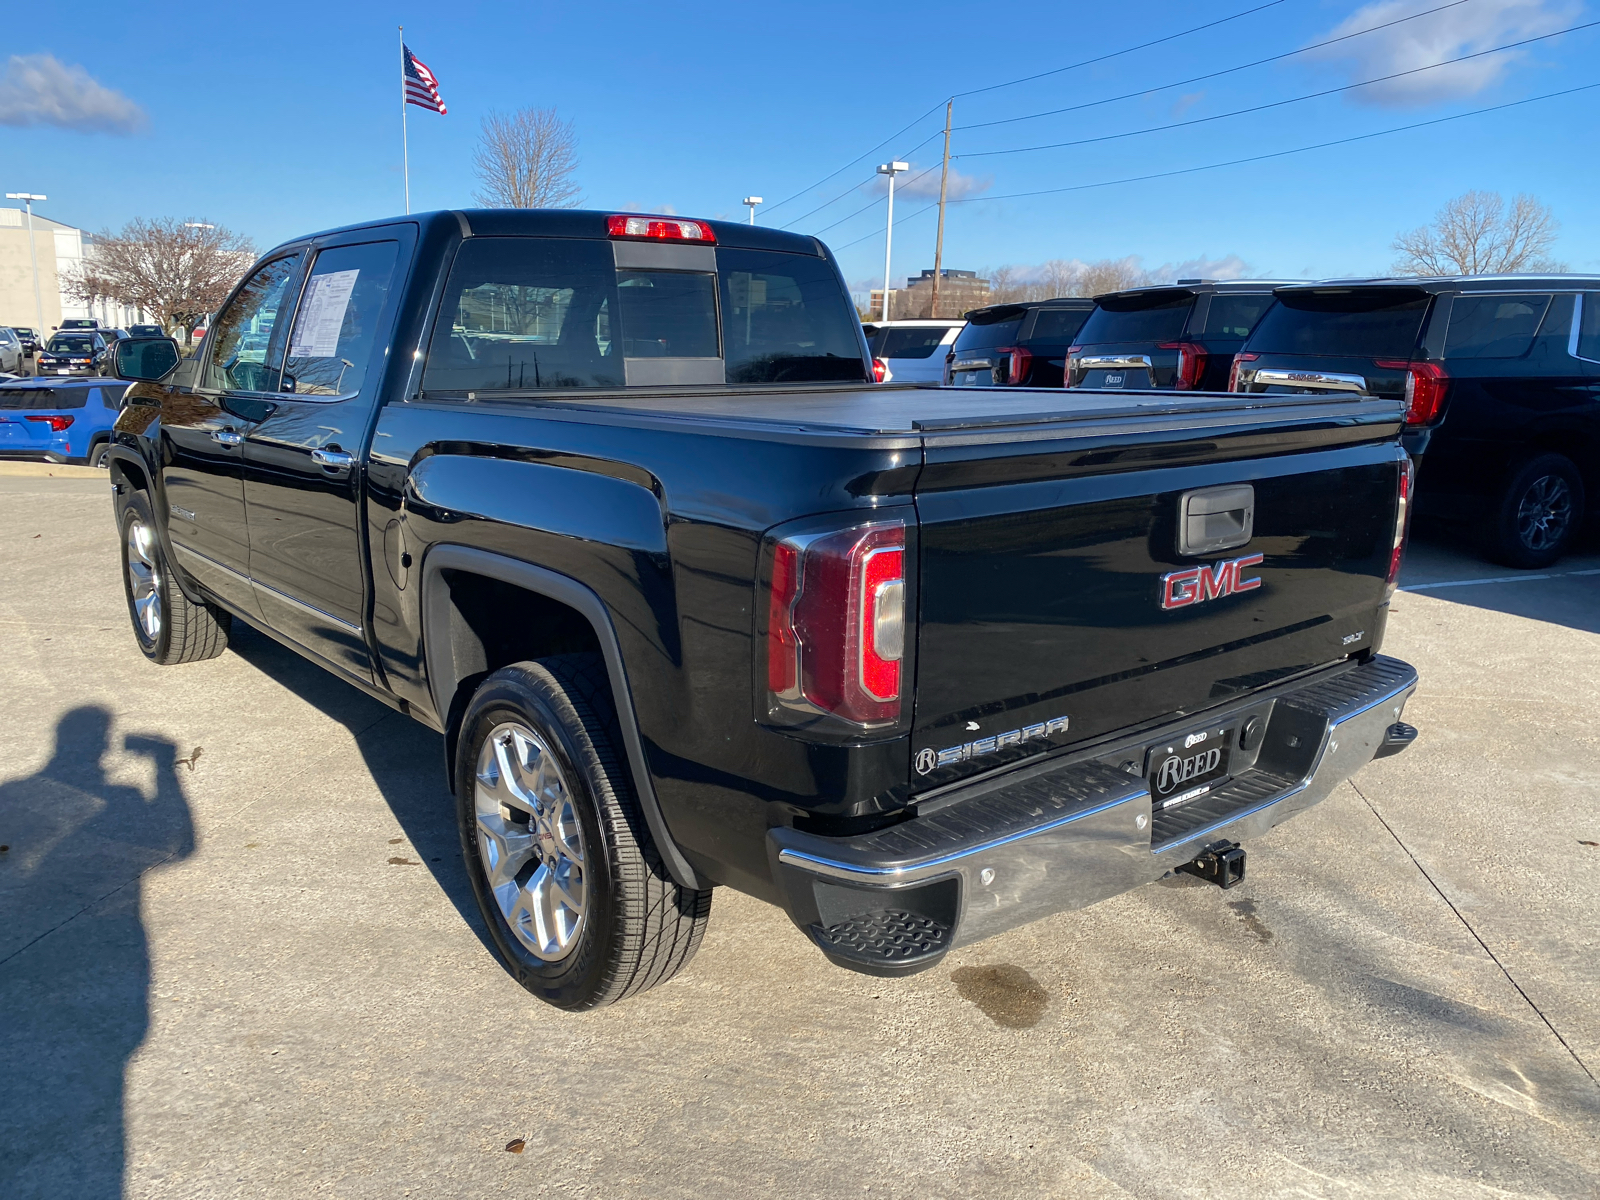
(1494, 958)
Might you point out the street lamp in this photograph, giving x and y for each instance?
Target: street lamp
(891, 169)
(27, 199)
(752, 201)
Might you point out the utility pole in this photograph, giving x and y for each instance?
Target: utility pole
(891, 169)
(27, 199)
(944, 180)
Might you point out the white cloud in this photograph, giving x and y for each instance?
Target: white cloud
(922, 183)
(1466, 29)
(40, 89)
(1228, 267)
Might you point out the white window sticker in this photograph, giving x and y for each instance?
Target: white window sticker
(316, 329)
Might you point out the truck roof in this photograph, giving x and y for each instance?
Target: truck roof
(579, 223)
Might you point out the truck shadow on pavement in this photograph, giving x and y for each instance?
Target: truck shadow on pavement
(1552, 595)
(74, 959)
(404, 757)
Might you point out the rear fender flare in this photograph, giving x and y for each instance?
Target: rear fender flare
(445, 673)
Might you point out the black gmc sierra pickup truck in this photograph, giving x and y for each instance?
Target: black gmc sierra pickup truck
(611, 502)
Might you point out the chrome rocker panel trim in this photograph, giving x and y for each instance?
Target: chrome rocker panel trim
(1069, 832)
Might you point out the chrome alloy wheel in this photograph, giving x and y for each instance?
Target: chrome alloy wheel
(144, 578)
(1545, 512)
(530, 840)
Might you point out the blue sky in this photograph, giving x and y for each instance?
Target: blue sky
(277, 121)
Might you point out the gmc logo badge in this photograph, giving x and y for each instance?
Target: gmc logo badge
(1179, 589)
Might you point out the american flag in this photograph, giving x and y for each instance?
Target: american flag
(422, 89)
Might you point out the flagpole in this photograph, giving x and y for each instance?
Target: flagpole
(405, 144)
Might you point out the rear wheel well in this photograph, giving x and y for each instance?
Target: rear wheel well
(493, 624)
(1579, 447)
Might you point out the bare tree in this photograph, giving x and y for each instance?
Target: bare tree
(1111, 275)
(177, 270)
(1475, 235)
(526, 159)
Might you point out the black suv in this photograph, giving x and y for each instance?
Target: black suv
(1016, 345)
(1501, 375)
(1180, 336)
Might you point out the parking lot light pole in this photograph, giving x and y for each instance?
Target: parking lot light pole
(891, 169)
(751, 202)
(27, 199)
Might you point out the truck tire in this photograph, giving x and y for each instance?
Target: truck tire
(570, 883)
(169, 627)
(1538, 512)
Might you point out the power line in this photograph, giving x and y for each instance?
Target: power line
(1209, 75)
(854, 188)
(875, 201)
(1234, 162)
(1239, 112)
(993, 87)
(1171, 37)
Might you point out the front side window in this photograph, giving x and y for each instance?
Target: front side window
(785, 319)
(336, 324)
(244, 355)
(1493, 326)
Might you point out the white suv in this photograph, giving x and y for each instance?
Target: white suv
(912, 351)
(11, 355)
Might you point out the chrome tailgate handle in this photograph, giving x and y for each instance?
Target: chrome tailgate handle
(1322, 381)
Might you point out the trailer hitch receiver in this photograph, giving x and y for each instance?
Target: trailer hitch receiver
(1222, 865)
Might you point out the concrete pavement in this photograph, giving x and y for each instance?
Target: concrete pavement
(238, 957)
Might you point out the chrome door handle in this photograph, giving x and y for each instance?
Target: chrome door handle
(228, 437)
(332, 458)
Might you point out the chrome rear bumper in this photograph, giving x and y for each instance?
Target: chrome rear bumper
(1070, 831)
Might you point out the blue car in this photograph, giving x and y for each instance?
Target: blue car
(59, 421)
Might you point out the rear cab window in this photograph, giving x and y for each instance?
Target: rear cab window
(1358, 322)
(536, 314)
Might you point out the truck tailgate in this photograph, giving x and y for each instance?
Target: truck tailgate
(1045, 544)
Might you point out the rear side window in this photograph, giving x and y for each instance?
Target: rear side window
(43, 399)
(1161, 321)
(1235, 316)
(915, 342)
(522, 313)
(336, 325)
(1589, 327)
(1056, 326)
(1493, 326)
(667, 314)
(987, 330)
(786, 319)
(1377, 323)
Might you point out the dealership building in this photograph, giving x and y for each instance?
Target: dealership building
(57, 248)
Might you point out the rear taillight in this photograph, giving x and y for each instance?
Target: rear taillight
(1069, 374)
(1233, 371)
(1021, 363)
(949, 376)
(57, 424)
(879, 370)
(836, 617)
(1425, 387)
(1191, 364)
(668, 229)
(1402, 524)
